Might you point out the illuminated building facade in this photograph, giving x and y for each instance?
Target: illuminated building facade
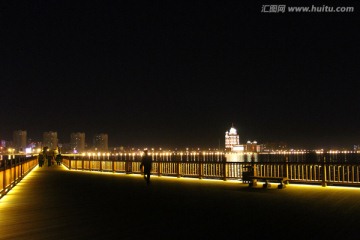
(50, 140)
(19, 140)
(236, 152)
(231, 138)
(252, 146)
(100, 142)
(77, 142)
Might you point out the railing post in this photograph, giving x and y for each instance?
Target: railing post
(69, 163)
(82, 163)
(4, 175)
(224, 168)
(324, 169)
(287, 168)
(11, 174)
(17, 169)
(253, 182)
(178, 169)
(113, 165)
(13, 170)
(127, 166)
(21, 168)
(159, 168)
(200, 166)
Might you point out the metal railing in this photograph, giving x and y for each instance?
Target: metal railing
(345, 174)
(324, 173)
(13, 170)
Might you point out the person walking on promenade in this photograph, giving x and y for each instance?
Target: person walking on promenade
(58, 159)
(50, 158)
(41, 159)
(146, 166)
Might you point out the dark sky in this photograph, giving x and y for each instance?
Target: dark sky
(179, 74)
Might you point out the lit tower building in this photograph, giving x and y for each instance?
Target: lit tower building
(101, 142)
(19, 140)
(77, 142)
(231, 138)
(50, 140)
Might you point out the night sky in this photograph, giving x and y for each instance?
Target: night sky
(179, 74)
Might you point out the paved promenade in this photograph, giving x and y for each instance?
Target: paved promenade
(55, 203)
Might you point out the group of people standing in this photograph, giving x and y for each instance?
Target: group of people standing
(48, 158)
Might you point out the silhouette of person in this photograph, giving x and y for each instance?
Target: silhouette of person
(58, 159)
(146, 165)
(50, 157)
(41, 159)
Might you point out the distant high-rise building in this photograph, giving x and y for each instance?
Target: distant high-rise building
(253, 146)
(100, 142)
(77, 142)
(2, 143)
(231, 138)
(273, 146)
(19, 140)
(50, 140)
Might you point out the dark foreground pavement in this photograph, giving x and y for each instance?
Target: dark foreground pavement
(54, 203)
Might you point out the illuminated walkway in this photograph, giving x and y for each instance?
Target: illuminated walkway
(54, 203)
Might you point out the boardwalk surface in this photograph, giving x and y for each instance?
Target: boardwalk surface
(54, 203)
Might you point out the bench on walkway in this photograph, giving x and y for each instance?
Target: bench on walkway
(281, 180)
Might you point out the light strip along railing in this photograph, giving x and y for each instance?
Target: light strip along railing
(13, 170)
(208, 170)
(345, 174)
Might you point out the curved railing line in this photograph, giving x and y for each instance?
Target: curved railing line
(346, 174)
(12, 171)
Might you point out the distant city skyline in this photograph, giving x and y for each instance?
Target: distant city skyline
(78, 142)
